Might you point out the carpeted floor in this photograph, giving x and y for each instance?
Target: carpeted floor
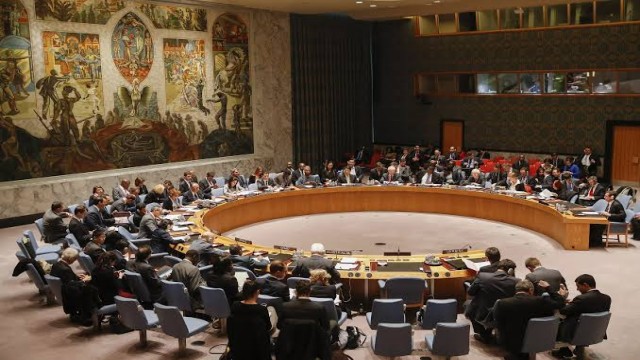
(31, 330)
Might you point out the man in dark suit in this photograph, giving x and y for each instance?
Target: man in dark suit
(265, 182)
(416, 158)
(208, 183)
(476, 178)
(149, 222)
(94, 247)
(471, 161)
(147, 272)
(431, 177)
(438, 158)
(308, 178)
(316, 261)
(588, 162)
(486, 289)
(452, 155)
(297, 173)
(303, 308)
(512, 314)
(184, 184)
(614, 212)
(590, 300)
(245, 261)
(194, 195)
(493, 256)
(188, 273)
(273, 284)
(538, 273)
(77, 226)
(354, 169)
(555, 160)
(54, 227)
(391, 176)
(521, 163)
(591, 192)
(98, 216)
(346, 177)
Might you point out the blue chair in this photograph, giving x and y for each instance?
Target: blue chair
(151, 205)
(86, 263)
(293, 281)
(599, 205)
(216, 305)
(409, 289)
(176, 294)
(450, 339)
(390, 311)
(73, 242)
(619, 228)
(219, 181)
(174, 324)
(49, 257)
(44, 249)
(330, 307)
(40, 225)
(39, 282)
(250, 274)
(172, 260)
(97, 315)
(624, 199)
(137, 286)
(437, 311)
(573, 199)
(72, 208)
(268, 300)
(129, 236)
(392, 340)
(135, 317)
(142, 197)
(591, 329)
(55, 286)
(219, 192)
(540, 335)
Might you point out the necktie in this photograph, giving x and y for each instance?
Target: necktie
(608, 207)
(591, 191)
(349, 178)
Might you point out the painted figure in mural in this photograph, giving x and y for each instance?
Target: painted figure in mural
(13, 72)
(136, 96)
(204, 129)
(47, 86)
(237, 115)
(11, 147)
(67, 119)
(200, 89)
(132, 48)
(221, 115)
(92, 96)
(148, 47)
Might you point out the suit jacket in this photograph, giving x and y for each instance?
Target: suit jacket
(598, 191)
(270, 285)
(93, 250)
(54, 227)
(189, 197)
(396, 178)
(161, 239)
(553, 277)
(309, 180)
(184, 186)
(62, 270)
(486, 289)
(80, 231)
(452, 156)
(324, 291)
(205, 187)
(226, 282)
(342, 178)
(248, 328)
(247, 262)
(591, 169)
(97, 218)
(435, 178)
(153, 197)
(295, 175)
(304, 309)
(520, 164)
(471, 162)
(147, 225)
(590, 302)
(121, 205)
(304, 266)
(119, 193)
(263, 185)
(149, 276)
(188, 274)
(282, 182)
(512, 315)
(415, 163)
(616, 212)
(168, 204)
(471, 180)
(491, 268)
(331, 175)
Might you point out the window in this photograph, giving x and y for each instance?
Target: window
(607, 11)
(487, 20)
(508, 84)
(631, 10)
(582, 13)
(447, 24)
(578, 83)
(533, 17)
(427, 25)
(604, 82)
(629, 82)
(510, 18)
(487, 84)
(467, 83)
(557, 15)
(467, 22)
(554, 83)
(530, 83)
(447, 84)
(427, 84)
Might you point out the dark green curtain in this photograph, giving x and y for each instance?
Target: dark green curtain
(331, 87)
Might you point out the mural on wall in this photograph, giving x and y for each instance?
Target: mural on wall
(176, 18)
(80, 11)
(185, 81)
(231, 100)
(132, 48)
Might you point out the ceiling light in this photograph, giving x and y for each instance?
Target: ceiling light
(436, 2)
(373, 5)
(429, 4)
(358, 2)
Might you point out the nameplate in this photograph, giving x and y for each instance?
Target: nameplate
(285, 248)
(454, 251)
(244, 241)
(339, 252)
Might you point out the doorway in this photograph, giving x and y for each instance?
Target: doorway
(622, 157)
(451, 134)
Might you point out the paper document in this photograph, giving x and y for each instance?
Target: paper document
(590, 213)
(180, 228)
(348, 260)
(341, 266)
(475, 266)
(545, 194)
(185, 223)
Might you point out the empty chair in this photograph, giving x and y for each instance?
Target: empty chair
(172, 260)
(449, 339)
(392, 340)
(591, 329)
(389, 311)
(44, 249)
(437, 311)
(619, 228)
(574, 198)
(250, 274)
(49, 257)
(130, 236)
(540, 335)
(268, 300)
(216, 305)
(86, 262)
(55, 286)
(332, 313)
(293, 281)
(135, 317)
(253, 187)
(176, 294)
(636, 208)
(624, 199)
(409, 289)
(39, 282)
(599, 205)
(137, 286)
(219, 192)
(174, 324)
(73, 242)
(219, 181)
(40, 225)
(72, 208)
(97, 315)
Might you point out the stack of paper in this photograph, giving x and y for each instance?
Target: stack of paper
(475, 266)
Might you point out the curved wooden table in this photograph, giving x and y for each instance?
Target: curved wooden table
(570, 231)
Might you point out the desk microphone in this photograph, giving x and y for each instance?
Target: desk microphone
(466, 247)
